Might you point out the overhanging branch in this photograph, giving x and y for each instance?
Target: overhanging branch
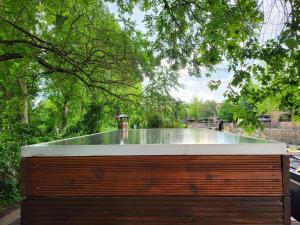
(10, 56)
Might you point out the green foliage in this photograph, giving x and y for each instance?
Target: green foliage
(278, 80)
(226, 112)
(9, 185)
(198, 109)
(245, 113)
(91, 121)
(66, 66)
(242, 111)
(163, 111)
(154, 121)
(197, 34)
(78, 40)
(214, 84)
(201, 34)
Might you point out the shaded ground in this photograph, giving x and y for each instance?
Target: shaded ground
(16, 222)
(11, 216)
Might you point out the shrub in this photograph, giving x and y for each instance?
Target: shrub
(9, 167)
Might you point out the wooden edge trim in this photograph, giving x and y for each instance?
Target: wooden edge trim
(24, 212)
(23, 176)
(285, 162)
(286, 210)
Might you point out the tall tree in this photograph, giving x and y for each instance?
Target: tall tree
(201, 34)
(76, 39)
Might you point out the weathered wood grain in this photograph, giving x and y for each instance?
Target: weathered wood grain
(286, 175)
(153, 176)
(153, 211)
(286, 210)
(286, 189)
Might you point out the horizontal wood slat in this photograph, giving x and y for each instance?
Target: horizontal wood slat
(153, 175)
(153, 211)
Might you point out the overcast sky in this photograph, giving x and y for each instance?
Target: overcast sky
(192, 86)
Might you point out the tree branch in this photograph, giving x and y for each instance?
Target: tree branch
(10, 56)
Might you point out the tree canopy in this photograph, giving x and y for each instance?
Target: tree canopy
(79, 40)
(202, 34)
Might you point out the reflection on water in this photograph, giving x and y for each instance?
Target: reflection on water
(159, 136)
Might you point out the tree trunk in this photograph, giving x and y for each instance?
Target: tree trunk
(23, 85)
(64, 123)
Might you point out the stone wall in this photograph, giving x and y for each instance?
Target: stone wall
(290, 136)
(287, 132)
(207, 125)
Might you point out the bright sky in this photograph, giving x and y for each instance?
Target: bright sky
(192, 86)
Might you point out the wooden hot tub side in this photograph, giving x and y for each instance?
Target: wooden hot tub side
(156, 190)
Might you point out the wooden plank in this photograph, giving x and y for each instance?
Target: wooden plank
(286, 175)
(153, 211)
(286, 189)
(154, 176)
(287, 210)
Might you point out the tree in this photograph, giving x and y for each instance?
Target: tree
(246, 115)
(91, 121)
(154, 121)
(275, 69)
(226, 112)
(201, 34)
(202, 110)
(64, 67)
(197, 33)
(16, 94)
(243, 111)
(77, 40)
(161, 110)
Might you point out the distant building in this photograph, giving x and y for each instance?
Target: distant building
(279, 119)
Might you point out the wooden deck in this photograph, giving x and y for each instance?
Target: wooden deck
(153, 176)
(140, 208)
(160, 190)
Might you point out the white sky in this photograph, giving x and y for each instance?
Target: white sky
(192, 86)
(198, 87)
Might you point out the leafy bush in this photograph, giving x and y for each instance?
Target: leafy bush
(154, 121)
(226, 112)
(9, 167)
(11, 141)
